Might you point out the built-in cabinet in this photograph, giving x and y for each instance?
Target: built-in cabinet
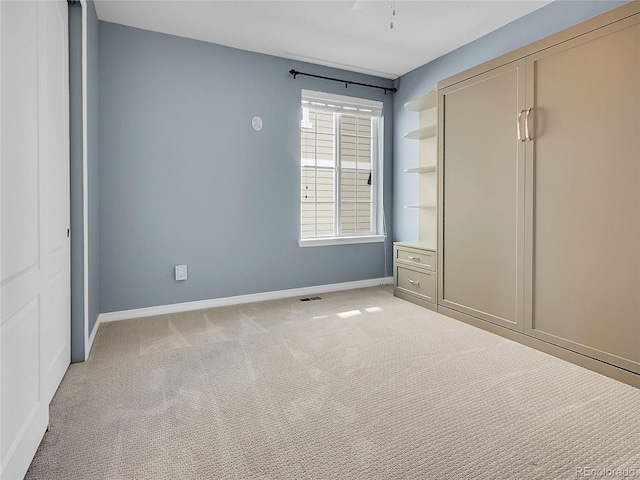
(414, 271)
(539, 189)
(414, 264)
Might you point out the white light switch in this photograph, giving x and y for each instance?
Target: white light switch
(181, 272)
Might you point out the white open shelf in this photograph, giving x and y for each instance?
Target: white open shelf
(426, 166)
(421, 133)
(428, 169)
(423, 103)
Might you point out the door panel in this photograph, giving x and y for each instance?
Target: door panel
(482, 197)
(24, 410)
(21, 387)
(585, 223)
(19, 139)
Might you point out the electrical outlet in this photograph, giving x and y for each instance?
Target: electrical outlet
(181, 272)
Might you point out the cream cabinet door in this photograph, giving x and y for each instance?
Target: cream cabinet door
(481, 196)
(583, 201)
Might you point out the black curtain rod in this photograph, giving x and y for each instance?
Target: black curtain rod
(295, 73)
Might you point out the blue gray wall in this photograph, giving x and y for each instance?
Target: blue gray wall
(535, 26)
(184, 178)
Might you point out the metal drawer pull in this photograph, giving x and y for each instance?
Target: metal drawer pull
(412, 282)
(414, 258)
(526, 125)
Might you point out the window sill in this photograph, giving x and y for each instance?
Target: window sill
(324, 241)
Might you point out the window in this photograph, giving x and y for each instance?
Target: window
(339, 139)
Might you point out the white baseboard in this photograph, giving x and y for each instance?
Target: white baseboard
(236, 300)
(92, 337)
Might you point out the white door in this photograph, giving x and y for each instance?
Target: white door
(34, 286)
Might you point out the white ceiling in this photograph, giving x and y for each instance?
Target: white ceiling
(347, 34)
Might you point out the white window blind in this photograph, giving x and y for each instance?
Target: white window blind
(339, 154)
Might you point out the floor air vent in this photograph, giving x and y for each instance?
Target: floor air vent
(308, 299)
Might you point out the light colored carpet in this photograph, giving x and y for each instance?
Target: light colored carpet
(357, 385)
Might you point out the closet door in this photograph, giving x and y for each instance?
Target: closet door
(23, 384)
(481, 196)
(583, 184)
(34, 198)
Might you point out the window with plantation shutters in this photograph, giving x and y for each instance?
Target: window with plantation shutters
(339, 153)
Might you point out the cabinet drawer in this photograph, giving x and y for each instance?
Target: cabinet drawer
(424, 258)
(419, 282)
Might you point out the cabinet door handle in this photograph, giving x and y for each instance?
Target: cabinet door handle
(519, 126)
(412, 282)
(526, 125)
(415, 258)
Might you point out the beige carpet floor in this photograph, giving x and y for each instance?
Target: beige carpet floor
(357, 385)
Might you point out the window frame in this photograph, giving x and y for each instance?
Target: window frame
(339, 237)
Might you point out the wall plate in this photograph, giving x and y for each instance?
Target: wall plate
(256, 123)
(181, 272)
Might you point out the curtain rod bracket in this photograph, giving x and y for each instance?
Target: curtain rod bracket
(295, 73)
